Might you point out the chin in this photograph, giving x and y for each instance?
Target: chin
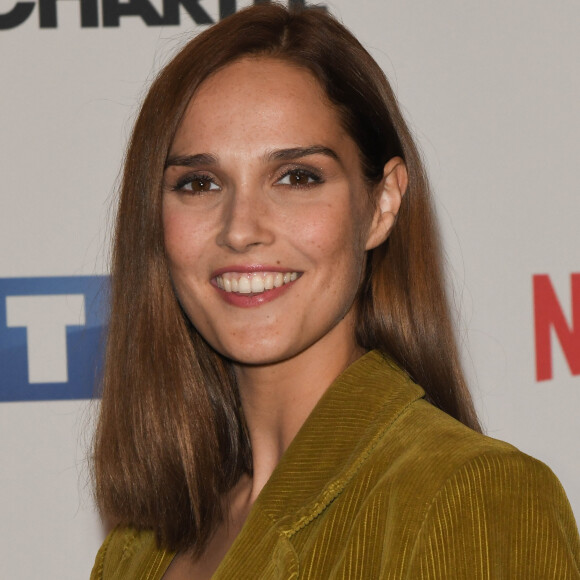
(257, 354)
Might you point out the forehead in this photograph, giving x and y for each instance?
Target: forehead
(259, 99)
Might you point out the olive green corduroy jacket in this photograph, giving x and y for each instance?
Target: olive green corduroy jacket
(378, 483)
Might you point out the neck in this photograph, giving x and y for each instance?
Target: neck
(278, 398)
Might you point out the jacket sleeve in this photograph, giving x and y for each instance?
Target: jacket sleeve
(97, 571)
(128, 554)
(501, 516)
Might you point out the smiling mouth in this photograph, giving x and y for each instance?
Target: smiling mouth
(254, 282)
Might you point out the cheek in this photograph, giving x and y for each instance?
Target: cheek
(175, 247)
(181, 247)
(335, 232)
(183, 236)
(170, 234)
(333, 245)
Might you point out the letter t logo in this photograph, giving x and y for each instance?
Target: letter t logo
(46, 318)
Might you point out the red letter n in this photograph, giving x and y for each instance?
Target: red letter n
(547, 314)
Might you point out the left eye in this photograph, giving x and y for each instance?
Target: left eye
(196, 184)
(299, 178)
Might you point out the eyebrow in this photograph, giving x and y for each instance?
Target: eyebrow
(191, 160)
(298, 152)
(278, 155)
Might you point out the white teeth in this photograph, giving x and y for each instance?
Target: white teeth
(244, 286)
(254, 283)
(257, 284)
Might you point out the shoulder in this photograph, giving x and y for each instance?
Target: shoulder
(128, 553)
(429, 451)
(501, 512)
(471, 503)
(431, 444)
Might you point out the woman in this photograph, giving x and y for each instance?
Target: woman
(277, 300)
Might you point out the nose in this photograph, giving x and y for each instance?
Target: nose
(246, 221)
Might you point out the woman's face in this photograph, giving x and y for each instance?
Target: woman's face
(266, 214)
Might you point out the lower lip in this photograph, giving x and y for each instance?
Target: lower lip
(253, 300)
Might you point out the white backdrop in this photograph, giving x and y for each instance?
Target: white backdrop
(492, 91)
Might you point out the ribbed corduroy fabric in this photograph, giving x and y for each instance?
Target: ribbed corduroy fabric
(380, 484)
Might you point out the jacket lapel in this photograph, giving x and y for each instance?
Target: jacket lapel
(350, 418)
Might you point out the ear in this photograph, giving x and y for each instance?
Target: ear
(390, 193)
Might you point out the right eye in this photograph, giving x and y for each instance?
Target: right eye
(197, 183)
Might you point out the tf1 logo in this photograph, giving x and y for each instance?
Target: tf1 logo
(51, 337)
(112, 11)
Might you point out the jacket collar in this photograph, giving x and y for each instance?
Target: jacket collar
(335, 440)
(340, 433)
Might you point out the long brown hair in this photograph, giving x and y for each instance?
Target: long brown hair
(171, 439)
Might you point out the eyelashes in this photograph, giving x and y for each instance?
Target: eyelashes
(199, 182)
(196, 183)
(300, 178)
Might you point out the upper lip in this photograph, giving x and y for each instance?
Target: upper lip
(250, 268)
